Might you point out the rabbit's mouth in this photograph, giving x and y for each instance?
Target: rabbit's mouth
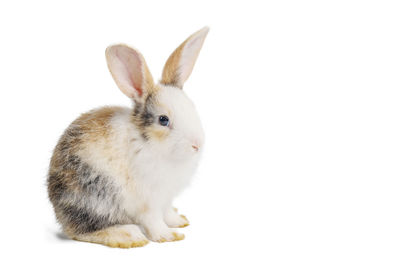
(195, 148)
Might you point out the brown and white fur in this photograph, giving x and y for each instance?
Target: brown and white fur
(115, 171)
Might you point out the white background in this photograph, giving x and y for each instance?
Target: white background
(300, 104)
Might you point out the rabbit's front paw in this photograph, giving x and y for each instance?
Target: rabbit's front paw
(174, 220)
(166, 235)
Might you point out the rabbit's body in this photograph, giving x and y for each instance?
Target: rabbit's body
(115, 169)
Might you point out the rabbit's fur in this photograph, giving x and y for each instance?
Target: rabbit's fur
(115, 171)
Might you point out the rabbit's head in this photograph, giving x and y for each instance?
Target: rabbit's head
(164, 115)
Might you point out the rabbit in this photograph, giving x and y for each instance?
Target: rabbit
(115, 171)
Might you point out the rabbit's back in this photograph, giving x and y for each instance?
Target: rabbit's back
(86, 197)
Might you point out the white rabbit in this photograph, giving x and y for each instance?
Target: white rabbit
(115, 171)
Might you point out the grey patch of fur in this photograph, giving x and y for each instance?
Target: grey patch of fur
(143, 115)
(91, 204)
(83, 199)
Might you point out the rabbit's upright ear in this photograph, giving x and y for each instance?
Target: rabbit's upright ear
(180, 64)
(129, 70)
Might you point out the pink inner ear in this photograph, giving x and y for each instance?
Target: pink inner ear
(129, 71)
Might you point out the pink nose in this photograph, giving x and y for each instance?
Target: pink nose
(195, 147)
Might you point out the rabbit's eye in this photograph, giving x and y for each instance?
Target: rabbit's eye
(163, 120)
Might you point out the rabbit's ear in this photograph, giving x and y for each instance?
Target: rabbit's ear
(129, 70)
(181, 62)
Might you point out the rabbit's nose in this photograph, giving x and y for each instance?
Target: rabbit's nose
(195, 147)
